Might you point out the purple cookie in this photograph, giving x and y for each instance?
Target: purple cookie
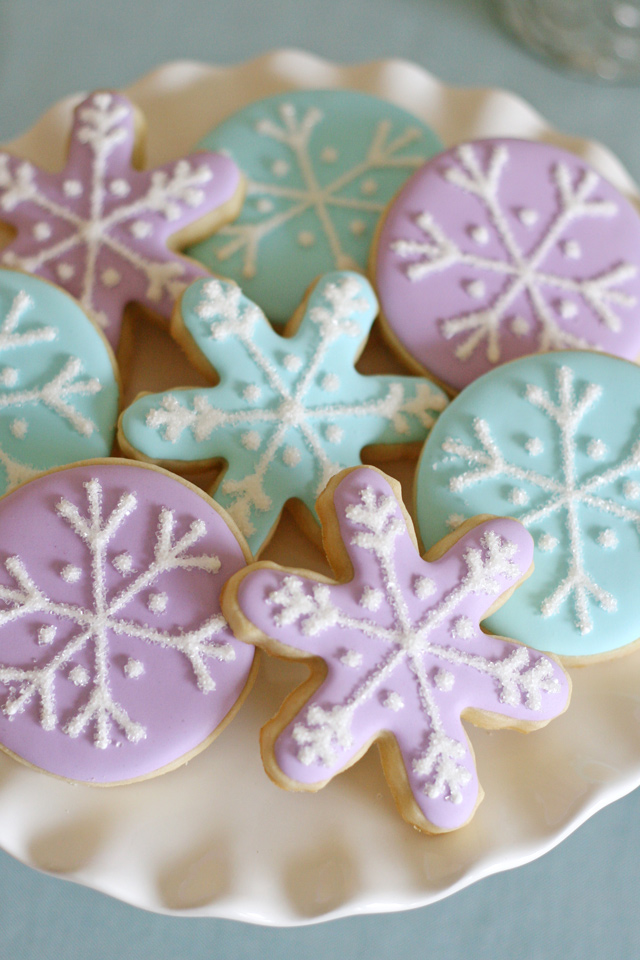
(104, 230)
(403, 654)
(500, 248)
(115, 661)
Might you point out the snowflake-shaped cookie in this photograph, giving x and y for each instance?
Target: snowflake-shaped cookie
(404, 655)
(553, 440)
(289, 412)
(58, 382)
(501, 248)
(321, 166)
(115, 661)
(102, 229)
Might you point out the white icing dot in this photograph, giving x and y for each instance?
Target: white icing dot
(280, 168)
(520, 326)
(393, 701)
(251, 440)
(71, 573)
(8, 376)
(371, 599)
(329, 155)
(42, 230)
(120, 188)
(518, 496)
(334, 433)
(133, 668)
(46, 635)
(357, 227)
(123, 563)
(444, 680)
(527, 216)
(571, 249)
(19, 428)
(454, 520)
(463, 628)
(330, 382)
(351, 658)
(264, 205)
(252, 393)
(141, 229)
(158, 602)
(72, 188)
(596, 449)
(475, 289)
(608, 539)
(547, 543)
(79, 676)
(306, 238)
(65, 271)
(110, 277)
(369, 186)
(631, 490)
(291, 456)
(534, 446)
(567, 309)
(480, 234)
(424, 587)
(292, 363)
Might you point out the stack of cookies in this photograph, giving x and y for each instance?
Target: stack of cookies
(504, 274)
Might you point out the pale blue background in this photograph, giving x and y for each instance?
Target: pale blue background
(580, 901)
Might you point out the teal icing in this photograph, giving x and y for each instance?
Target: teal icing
(348, 150)
(288, 413)
(58, 389)
(591, 505)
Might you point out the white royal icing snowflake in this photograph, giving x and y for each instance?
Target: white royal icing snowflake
(562, 492)
(410, 643)
(91, 625)
(282, 432)
(552, 295)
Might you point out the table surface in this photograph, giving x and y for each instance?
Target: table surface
(576, 902)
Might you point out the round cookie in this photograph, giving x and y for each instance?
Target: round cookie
(115, 661)
(501, 248)
(403, 658)
(105, 230)
(289, 411)
(321, 166)
(553, 441)
(59, 388)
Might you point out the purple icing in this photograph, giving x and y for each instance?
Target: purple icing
(101, 229)
(376, 680)
(163, 688)
(500, 248)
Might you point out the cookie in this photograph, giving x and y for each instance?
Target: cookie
(321, 166)
(107, 231)
(501, 248)
(289, 411)
(395, 650)
(551, 440)
(59, 385)
(115, 661)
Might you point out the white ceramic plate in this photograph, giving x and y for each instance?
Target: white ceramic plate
(216, 838)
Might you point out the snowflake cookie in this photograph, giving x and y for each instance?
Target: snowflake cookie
(58, 381)
(115, 661)
(553, 440)
(321, 166)
(289, 411)
(501, 248)
(104, 230)
(403, 653)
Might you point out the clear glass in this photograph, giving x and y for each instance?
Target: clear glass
(600, 37)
